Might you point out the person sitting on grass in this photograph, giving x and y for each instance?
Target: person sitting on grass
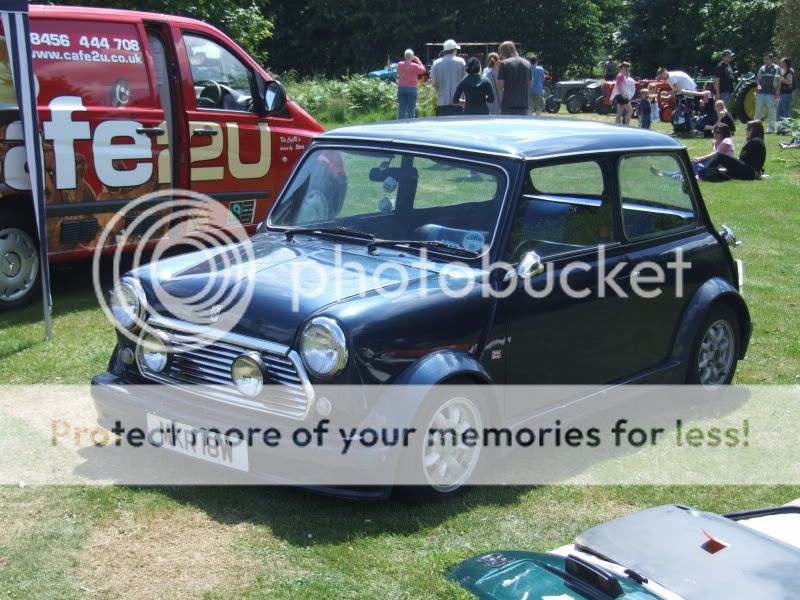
(749, 165)
(476, 89)
(722, 144)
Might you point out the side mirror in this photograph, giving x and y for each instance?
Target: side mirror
(530, 265)
(729, 235)
(274, 96)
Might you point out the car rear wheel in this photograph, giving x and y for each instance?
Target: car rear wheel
(444, 463)
(19, 262)
(716, 350)
(575, 104)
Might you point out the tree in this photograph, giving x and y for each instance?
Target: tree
(745, 26)
(242, 20)
(786, 41)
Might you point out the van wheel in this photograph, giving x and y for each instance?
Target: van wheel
(716, 349)
(445, 466)
(19, 262)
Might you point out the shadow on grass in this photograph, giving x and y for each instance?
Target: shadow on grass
(304, 518)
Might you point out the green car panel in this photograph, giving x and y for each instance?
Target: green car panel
(517, 574)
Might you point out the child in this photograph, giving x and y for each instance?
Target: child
(652, 93)
(645, 109)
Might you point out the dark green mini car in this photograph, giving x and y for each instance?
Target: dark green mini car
(667, 552)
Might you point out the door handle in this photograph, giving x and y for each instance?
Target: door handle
(150, 130)
(204, 131)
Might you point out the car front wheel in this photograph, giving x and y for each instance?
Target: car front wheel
(716, 350)
(443, 461)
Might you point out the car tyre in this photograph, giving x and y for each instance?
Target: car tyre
(552, 104)
(715, 353)
(446, 468)
(746, 102)
(19, 261)
(575, 104)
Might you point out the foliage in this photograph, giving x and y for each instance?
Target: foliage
(242, 20)
(746, 26)
(351, 98)
(787, 30)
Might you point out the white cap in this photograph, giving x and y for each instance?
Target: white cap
(408, 53)
(451, 45)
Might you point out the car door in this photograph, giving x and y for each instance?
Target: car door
(565, 326)
(230, 143)
(667, 245)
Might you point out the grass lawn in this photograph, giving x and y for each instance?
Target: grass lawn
(99, 542)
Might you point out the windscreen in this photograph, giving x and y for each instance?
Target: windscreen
(395, 196)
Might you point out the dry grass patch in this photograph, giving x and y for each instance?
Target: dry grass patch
(167, 554)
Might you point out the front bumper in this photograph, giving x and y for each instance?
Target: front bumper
(121, 405)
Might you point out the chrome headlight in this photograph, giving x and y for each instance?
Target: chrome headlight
(323, 347)
(153, 351)
(247, 372)
(127, 304)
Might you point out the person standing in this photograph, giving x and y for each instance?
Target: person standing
(408, 72)
(683, 88)
(476, 90)
(723, 77)
(446, 73)
(768, 81)
(787, 89)
(537, 86)
(490, 74)
(513, 80)
(610, 69)
(622, 93)
(645, 110)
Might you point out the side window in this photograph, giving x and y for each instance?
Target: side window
(221, 80)
(103, 69)
(656, 197)
(563, 208)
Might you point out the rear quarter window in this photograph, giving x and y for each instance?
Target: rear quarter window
(656, 196)
(102, 63)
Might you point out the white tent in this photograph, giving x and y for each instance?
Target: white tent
(16, 28)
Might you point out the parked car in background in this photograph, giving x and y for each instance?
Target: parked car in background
(669, 552)
(130, 103)
(408, 201)
(387, 73)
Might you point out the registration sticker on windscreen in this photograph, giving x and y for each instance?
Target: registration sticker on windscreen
(197, 442)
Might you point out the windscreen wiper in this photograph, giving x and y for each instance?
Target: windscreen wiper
(342, 231)
(435, 244)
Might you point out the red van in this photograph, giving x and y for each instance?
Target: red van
(129, 103)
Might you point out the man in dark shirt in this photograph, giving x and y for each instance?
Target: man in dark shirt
(513, 80)
(723, 77)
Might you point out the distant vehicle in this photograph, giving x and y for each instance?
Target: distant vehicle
(669, 552)
(387, 73)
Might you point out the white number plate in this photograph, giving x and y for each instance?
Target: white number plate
(200, 443)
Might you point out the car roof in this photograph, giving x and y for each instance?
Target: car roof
(107, 14)
(522, 137)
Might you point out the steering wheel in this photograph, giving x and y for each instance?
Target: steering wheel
(211, 94)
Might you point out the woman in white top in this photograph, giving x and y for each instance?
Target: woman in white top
(624, 90)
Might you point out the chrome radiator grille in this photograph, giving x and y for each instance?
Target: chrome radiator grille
(201, 360)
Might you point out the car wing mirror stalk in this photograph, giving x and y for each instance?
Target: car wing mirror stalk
(529, 266)
(729, 235)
